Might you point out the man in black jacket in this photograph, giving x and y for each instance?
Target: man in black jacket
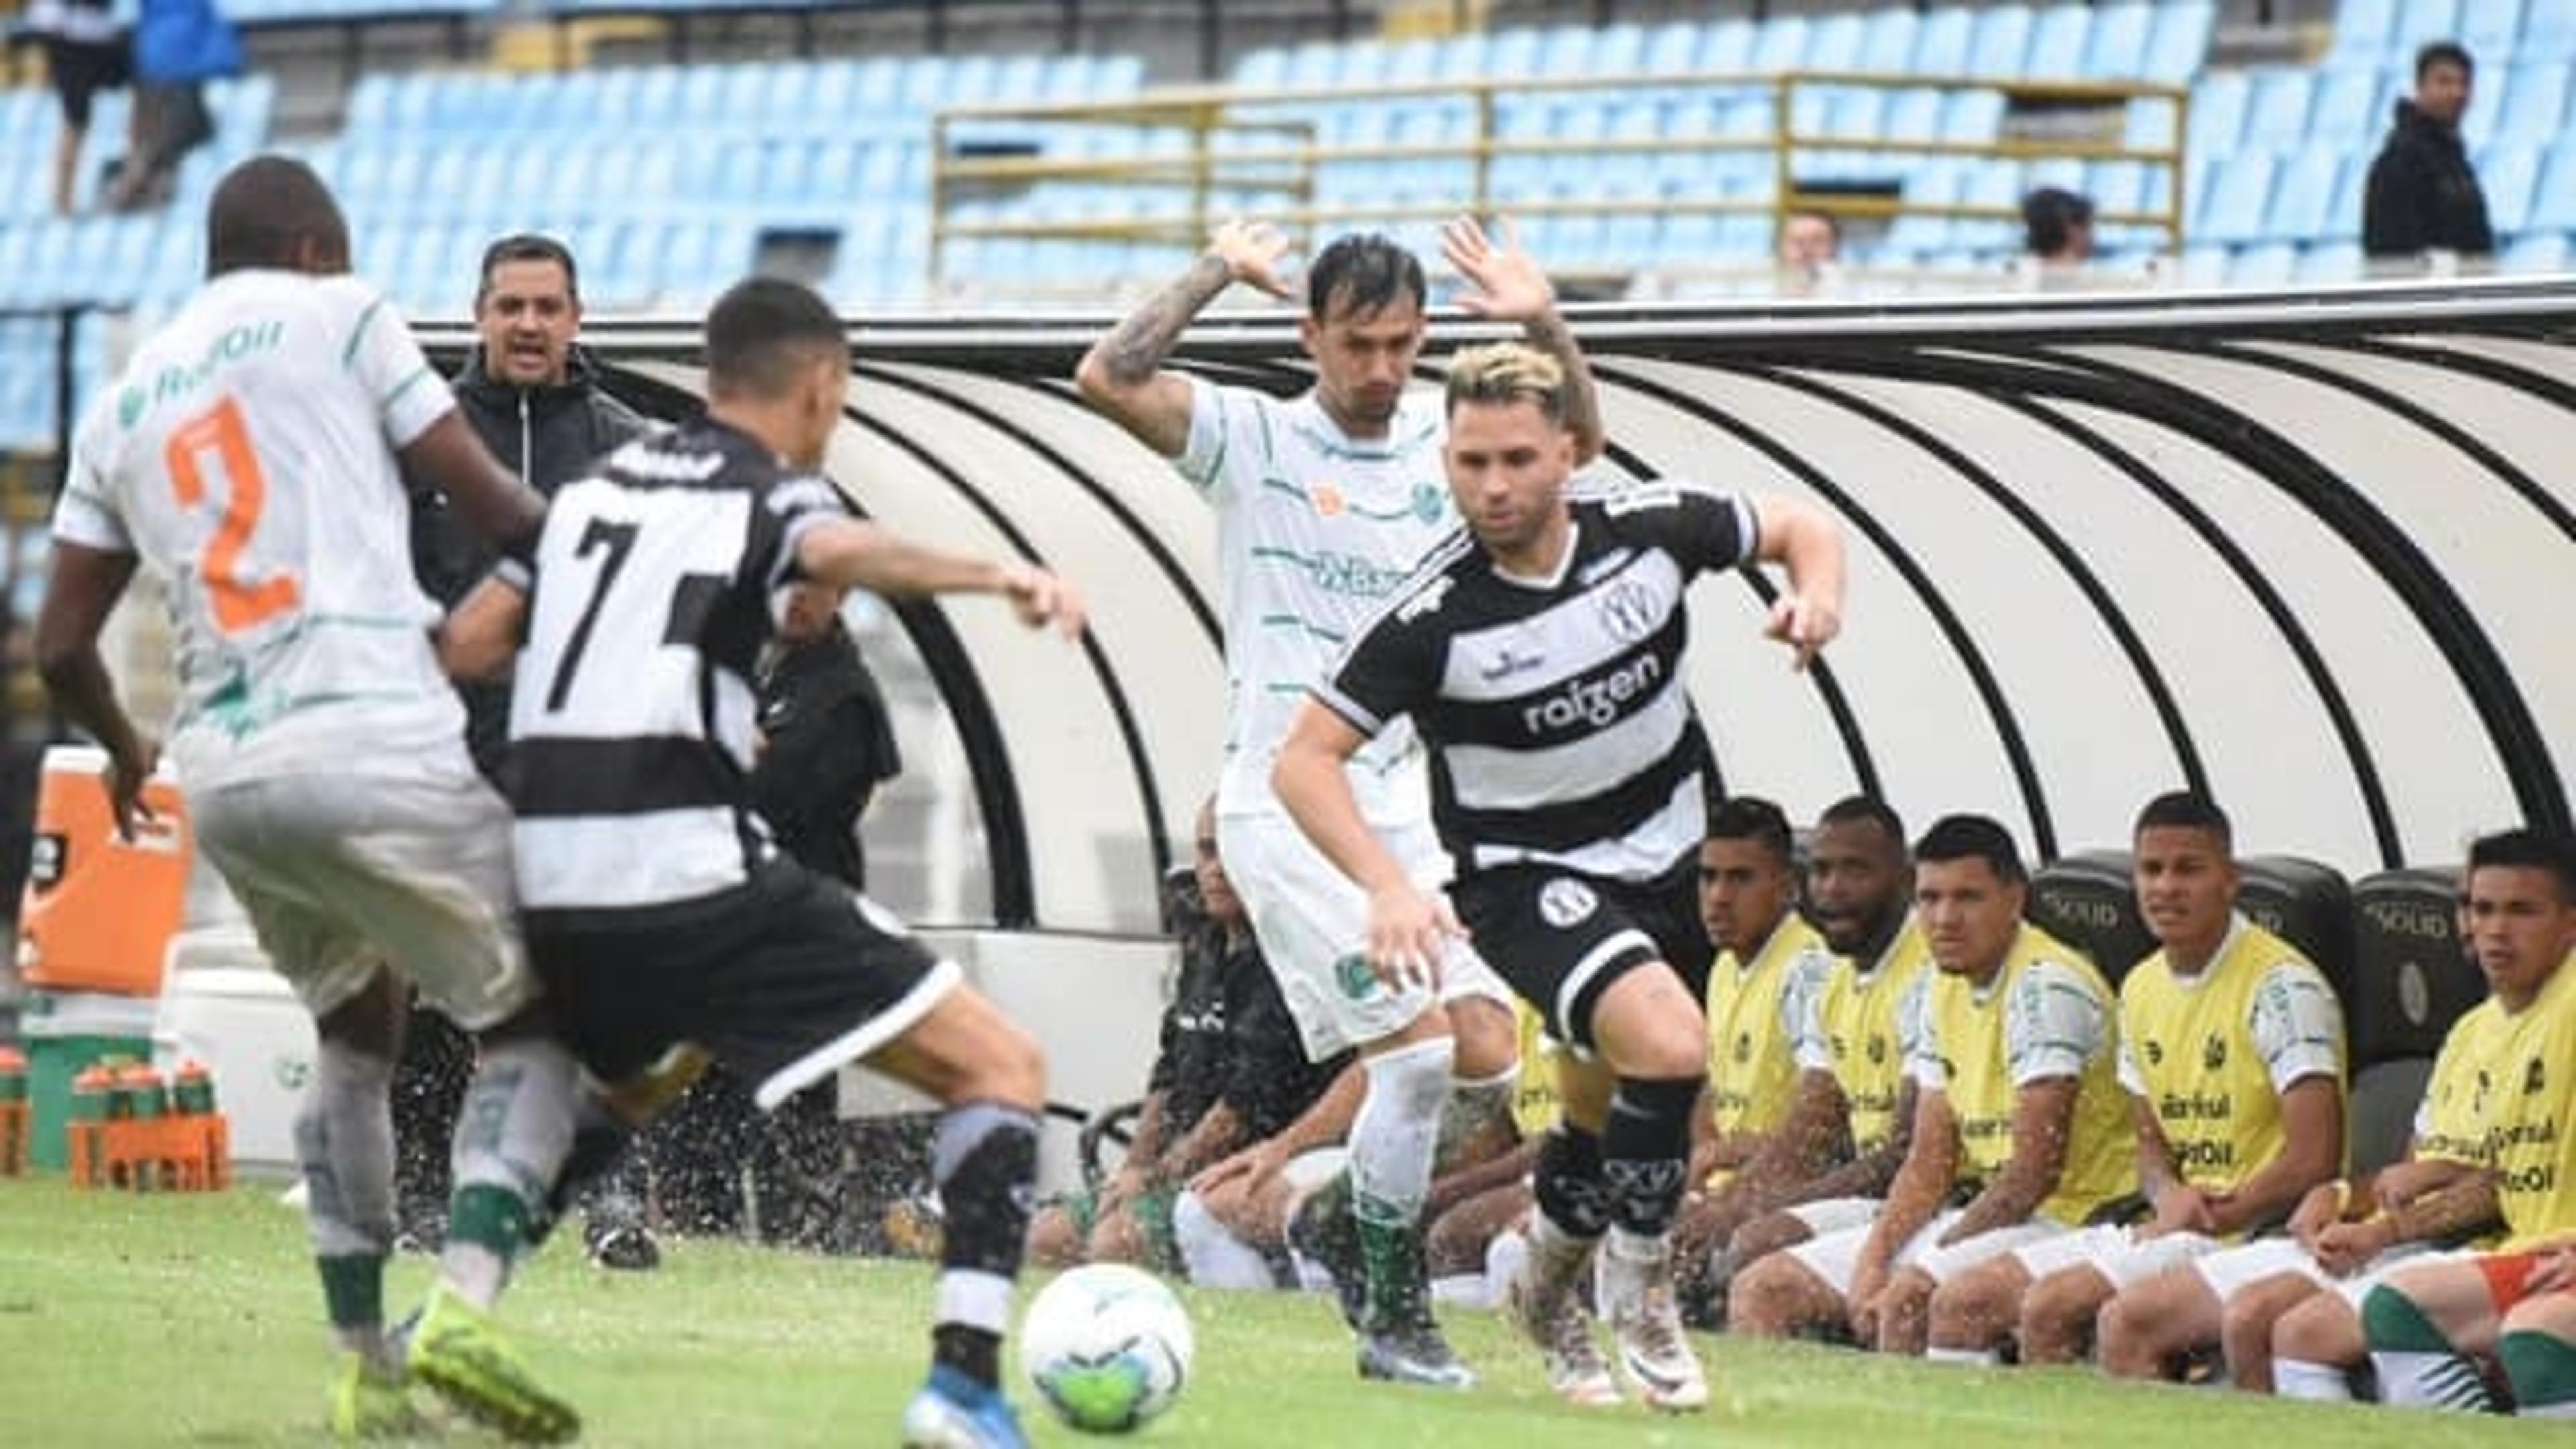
(2423, 193)
(532, 397)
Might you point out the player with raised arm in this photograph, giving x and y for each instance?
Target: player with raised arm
(1325, 503)
(658, 910)
(1539, 656)
(254, 455)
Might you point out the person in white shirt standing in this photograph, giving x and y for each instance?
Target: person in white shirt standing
(1325, 503)
(254, 455)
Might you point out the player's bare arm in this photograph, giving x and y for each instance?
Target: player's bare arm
(2043, 1121)
(2311, 1107)
(448, 456)
(2178, 1206)
(82, 590)
(1123, 376)
(846, 553)
(1508, 285)
(1803, 540)
(1913, 1199)
(1407, 925)
(481, 634)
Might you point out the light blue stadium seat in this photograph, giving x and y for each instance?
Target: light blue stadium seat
(2535, 253)
(1671, 48)
(2553, 202)
(1512, 54)
(2420, 22)
(1913, 115)
(1726, 48)
(2350, 190)
(2001, 41)
(2363, 32)
(2203, 267)
(1887, 41)
(2219, 102)
(2120, 34)
(1782, 44)
(2239, 194)
(2179, 46)
(2329, 264)
(2150, 126)
(2270, 264)
(2060, 40)
(2534, 107)
(1834, 43)
(1941, 43)
(2548, 29)
(2509, 173)
(2346, 108)
(2490, 28)
(2121, 185)
(2302, 201)
(1990, 184)
(1940, 182)
(1618, 50)
(1972, 116)
(2276, 114)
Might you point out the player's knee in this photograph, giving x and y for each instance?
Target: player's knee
(1052, 1241)
(1764, 1297)
(2321, 1330)
(1118, 1238)
(1488, 1046)
(1766, 1235)
(2063, 1306)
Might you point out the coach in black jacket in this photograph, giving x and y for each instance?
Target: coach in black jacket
(2423, 195)
(531, 396)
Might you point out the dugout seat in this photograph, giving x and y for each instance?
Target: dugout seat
(2411, 973)
(2089, 901)
(2305, 903)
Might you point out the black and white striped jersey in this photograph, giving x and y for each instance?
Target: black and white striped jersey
(1558, 725)
(631, 722)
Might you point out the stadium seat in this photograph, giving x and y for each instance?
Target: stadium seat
(2362, 33)
(2178, 47)
(2329, 264)
(2534, 106)
(2303, 199)
(2490, 28)
(1726, 48)
(2218, 106)
(2089, 901)
(1913, 115)
(2059, 42)
(2301, 901)
(2510, 175)
(1781, 44)
(2412, 976)
(1834, 43)
(2119, 37)
(2346, 109)
(2420, 22)
(1941, 43)
(1999, 45)
(1972, 116)
(2276, 113)
(1887, 40)
(2238, 197)
(2548, 29)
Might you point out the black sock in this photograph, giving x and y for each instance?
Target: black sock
(1568, 1182)
(1645, 1148)
(974, 1352)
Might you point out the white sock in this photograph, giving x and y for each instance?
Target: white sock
(1397, 1129)
(2429, 1381)
(1462, 1290)
(344, 1141)
(1969, 1357)
(1214, 1256)
(1505, 1256)
(2297, 1378)
(511, 1138)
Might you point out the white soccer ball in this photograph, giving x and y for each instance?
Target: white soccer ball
(1107, 1346)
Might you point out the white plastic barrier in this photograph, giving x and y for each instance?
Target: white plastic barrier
(222, 1005)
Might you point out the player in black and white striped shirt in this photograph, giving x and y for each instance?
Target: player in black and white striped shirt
(1539, 655)
(660, 915)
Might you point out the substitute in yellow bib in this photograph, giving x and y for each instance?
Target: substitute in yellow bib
(1769, 966)
(2231, 1052)
(2019, 1110)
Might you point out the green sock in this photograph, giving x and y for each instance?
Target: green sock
(1391, 1251)
(2417, 1363)
(2543, 1369)
(353, 1290)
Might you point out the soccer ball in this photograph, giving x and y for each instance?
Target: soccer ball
(1107, 1346)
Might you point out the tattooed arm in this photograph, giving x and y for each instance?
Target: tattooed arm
(1123, 375)
(1510, 286)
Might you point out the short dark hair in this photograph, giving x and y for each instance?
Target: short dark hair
(2443, 52)
(264, 209)
(1363, 272)
(2049, 215)
(2528, 849)
(2185, 810)
(526, 246)
(1750, 817)
(763, 332)
(1963, 837)
(1865, 810)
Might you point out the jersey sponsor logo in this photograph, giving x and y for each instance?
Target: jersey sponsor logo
(1592, 703)
(661, 465)
(178, 380)
(2213, 1053)
(2204, 1154)
(1342, 573)
(1630, 610)
(1508, 662)
(1563, 903)
(2196, 1107)
(1327, 499)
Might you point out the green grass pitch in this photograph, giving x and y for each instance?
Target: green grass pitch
(196, 1321)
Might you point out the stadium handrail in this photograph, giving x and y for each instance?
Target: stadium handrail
(1207, 113)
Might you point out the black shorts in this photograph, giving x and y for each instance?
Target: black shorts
(784, 980)
(81, 69)
(1560, 936)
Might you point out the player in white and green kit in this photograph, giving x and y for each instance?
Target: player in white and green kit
(1324, 504)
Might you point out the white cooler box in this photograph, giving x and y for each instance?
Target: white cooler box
(222, 1005)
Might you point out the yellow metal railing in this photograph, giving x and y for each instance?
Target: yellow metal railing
(1221, 142)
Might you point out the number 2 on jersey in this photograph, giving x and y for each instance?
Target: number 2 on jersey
(619, 540)
(238, 604)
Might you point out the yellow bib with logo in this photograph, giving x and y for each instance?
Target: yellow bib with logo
(1858, 1014)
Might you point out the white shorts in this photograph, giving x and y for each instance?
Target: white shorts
(2120, 1258)
(343, 876)
(1312, 923)
(1835, 1257)
(1834, 1214)
(2231, 1271)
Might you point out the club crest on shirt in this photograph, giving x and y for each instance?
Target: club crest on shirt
(1628, 610)
(1428, 501)
(1564, 902)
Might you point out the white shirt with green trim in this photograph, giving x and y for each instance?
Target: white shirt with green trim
(1315, 530)
(247, 455)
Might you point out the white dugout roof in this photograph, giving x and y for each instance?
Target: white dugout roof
(2315, 553)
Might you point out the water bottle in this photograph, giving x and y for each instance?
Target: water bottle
(192, 1090)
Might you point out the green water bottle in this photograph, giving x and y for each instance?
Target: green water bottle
(13, 1075)
(192, 1090)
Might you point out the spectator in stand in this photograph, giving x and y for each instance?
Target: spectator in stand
(2057, 235)
(2423, 195)
(1809, 255)
(85, 53)
(179, 45)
